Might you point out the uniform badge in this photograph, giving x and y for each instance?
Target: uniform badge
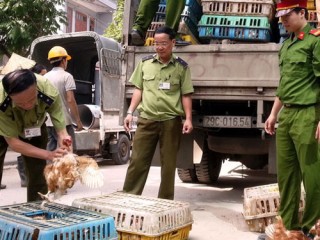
(301, 36)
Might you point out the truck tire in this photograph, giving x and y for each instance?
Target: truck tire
(187, 175)
(208, 169)
(123, 154)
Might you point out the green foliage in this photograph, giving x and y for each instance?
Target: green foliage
(21, 21)
(115, 28)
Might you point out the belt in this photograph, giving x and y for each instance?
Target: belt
(287, 105)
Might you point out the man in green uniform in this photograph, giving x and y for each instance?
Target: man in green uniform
(298, 132)
(24, 101)
(163, 91)
(147, 10)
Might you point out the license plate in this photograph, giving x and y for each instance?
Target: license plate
(227, 121)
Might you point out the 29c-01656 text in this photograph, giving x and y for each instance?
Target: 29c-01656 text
(227, 121)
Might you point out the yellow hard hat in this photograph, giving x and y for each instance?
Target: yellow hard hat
(58, 51)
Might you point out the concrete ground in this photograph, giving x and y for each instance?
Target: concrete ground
(216, 209)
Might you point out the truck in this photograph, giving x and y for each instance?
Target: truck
(95, 66)
(234, 91)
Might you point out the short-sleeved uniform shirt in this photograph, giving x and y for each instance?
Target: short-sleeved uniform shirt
(162, 87)
(300, 69)
(64, 82)
(14, 120)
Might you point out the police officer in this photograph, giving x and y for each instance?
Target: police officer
(298, 132)
(163, 91)
(147, 10)
(24, 101)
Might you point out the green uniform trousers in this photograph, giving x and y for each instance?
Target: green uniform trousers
(148, 8)
(34, 167)
(3, 150)
(148, 134)
(298, 159)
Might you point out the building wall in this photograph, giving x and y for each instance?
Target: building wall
(80, 22)
(69, 19)
(85, 20)
(102, 22)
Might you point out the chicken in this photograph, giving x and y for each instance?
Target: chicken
(279, 232)
(65, 171)
(315, 230)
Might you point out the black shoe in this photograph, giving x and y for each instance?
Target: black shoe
(2, 186)
(262, 237)
(136, 38)
(309, 236)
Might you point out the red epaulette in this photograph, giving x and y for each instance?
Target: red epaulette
(315, 32)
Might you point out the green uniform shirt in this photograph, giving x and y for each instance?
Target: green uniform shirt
(162, 87)
(300, 69)
(14, 120)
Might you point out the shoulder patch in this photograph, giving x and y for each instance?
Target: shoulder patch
(147, 58)
(5, 104)
(46, 99)
(182, 62)
(315, 32)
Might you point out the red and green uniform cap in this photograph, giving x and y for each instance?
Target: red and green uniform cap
(286, 6)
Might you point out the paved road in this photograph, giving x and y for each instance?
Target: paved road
(217, 209)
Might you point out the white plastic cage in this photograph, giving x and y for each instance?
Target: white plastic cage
(239, 7)
(261, 205)
(139, 215)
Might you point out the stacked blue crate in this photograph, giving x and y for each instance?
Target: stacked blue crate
(237, 20)
(35, 220)
(234, 28)
(189, 18)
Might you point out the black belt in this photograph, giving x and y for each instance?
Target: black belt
(287, 105)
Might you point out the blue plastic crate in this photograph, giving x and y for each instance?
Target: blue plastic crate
(54, 221)
(186, 27)
(188, 19)
(234, 21)
(194, 4)
(187, 12)
(185, 21)
(193, 28)
(235, 33)
(237, 28)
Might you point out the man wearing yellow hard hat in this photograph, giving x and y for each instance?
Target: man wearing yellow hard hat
(64, 82)
(298, 132)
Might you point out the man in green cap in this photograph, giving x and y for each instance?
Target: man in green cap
(146, 11)
(298, 132)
